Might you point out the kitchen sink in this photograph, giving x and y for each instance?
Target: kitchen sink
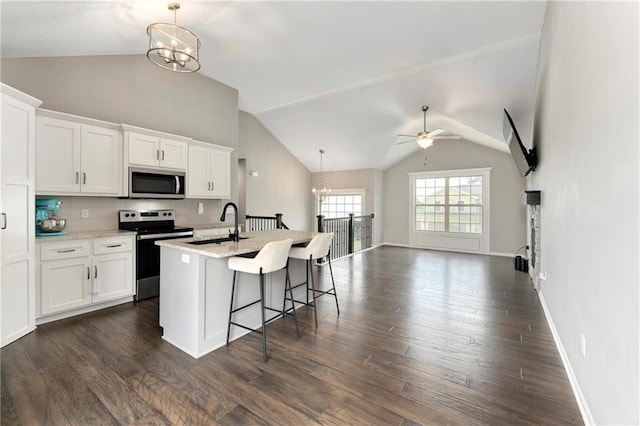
(214, 240)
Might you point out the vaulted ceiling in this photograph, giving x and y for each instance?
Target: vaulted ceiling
(346, 77)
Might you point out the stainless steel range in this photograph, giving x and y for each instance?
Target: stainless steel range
(150, 226)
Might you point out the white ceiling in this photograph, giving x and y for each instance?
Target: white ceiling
(342, 76)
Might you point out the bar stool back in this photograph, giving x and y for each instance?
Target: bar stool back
(274, 256)
(317, 248)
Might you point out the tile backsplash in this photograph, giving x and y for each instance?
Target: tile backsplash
(103, 211)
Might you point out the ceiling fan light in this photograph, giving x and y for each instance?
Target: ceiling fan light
(425, 143)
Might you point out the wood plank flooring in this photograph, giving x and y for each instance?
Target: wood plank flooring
(424, 337)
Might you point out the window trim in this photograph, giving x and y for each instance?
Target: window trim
(484, 237)
(353, 191)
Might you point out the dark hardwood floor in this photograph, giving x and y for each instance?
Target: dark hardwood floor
(424, 337)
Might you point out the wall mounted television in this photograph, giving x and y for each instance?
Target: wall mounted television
(526, 161)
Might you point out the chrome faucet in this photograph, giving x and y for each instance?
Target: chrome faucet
(236, 233)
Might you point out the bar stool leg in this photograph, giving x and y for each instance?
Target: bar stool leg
(264, 329)
(233, 292)
(306, 271)
(313, 289)
(287, 284)
(334, 285)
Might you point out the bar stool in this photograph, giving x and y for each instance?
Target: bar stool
(317, 248)
(272, 257)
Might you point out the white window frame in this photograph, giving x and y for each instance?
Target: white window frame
(355, 191)
(453, 241)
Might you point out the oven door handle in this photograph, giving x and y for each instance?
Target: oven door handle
(164, 236)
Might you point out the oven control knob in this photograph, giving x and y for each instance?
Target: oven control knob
(126, 215)
(133, 215)
(169, 214)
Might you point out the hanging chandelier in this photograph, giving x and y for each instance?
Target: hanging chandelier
(172, 47)
(323, 190)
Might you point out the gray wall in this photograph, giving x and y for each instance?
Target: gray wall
(368, 179)
(131, 90)
(586, 128)
(508, 214)
(283, 184)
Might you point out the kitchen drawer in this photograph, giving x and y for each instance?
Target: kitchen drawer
(64, 250)
(112, 245)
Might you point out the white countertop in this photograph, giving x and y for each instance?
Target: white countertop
(85, 234)
(256, 240)
(225, 225)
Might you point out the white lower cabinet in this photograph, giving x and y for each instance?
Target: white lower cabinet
(112, 277)
(65, 284)
(84, 274)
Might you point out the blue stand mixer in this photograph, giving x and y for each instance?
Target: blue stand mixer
(47, 224)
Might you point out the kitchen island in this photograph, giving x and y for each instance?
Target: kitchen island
(195, 288)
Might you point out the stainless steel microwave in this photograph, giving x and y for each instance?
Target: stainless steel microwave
(153, 183)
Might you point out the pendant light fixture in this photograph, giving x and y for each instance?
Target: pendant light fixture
(323, 190)
(172, 47)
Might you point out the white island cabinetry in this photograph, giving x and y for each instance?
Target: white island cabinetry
(84, 274)
(195, 288)
(209, 171)
(77, 156)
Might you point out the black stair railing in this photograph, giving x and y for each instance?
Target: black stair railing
(262, 223)
(350, 234)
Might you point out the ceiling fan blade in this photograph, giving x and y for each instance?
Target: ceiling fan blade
(402, 142)
(407, 136)
(435, 132)
(448, 137)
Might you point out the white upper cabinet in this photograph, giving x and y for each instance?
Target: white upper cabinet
(155, 149)
(77, 156)
(173, 154)
(208, 174)
(57, 156)
(144, 150)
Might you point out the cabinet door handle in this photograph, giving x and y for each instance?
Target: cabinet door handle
(88, 273)
(66, 251)
(4, 221)
(77, 178)
(94, 284)
(208, 186)
(157, 154)
(114, 245)
(213, 186)
(84, 178)
(163, 155)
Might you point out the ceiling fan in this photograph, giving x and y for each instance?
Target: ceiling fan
(425, 138)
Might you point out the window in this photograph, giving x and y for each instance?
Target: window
(448, 203)
(342, 202)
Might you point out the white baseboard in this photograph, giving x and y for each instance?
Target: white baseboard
(587, 418)
(400, 245)
(497, 253)
(493, 253)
